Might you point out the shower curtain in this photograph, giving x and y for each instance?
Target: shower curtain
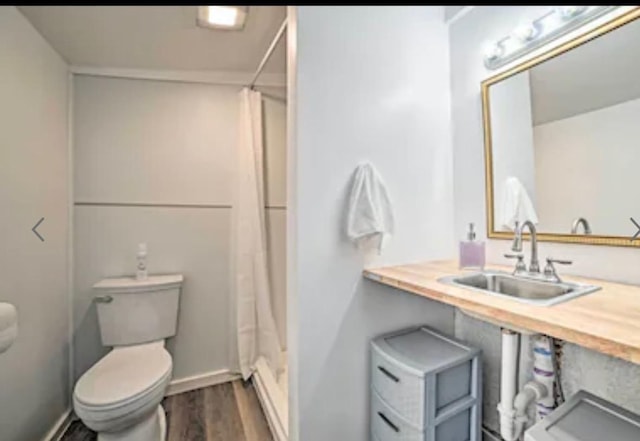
(255, 325)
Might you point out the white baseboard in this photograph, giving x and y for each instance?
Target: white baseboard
(60, 426)
(181, 385)
(272, 400)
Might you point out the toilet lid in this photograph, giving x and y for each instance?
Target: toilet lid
(124, 374)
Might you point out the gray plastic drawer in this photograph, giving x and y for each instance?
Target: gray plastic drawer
(586, 417)
(424, 375)
(399, 387)
(456, 428)
(387, 425)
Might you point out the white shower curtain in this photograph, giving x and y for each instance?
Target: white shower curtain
(256, 329)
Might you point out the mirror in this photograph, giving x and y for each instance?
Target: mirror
(562, 139)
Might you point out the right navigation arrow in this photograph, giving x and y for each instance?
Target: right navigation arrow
(635, 236)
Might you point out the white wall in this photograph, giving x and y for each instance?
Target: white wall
(584, 368)
(34, 373)
(372, 84)
(585, 166)
(169, 144)
(512, 137)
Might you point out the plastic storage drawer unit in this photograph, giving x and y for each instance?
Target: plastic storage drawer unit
(426, 386)
(585, 417)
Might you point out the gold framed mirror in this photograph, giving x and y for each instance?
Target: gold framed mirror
(560, 135)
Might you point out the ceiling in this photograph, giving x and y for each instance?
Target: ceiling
(451, 11)
(598, 74)
(158, 37)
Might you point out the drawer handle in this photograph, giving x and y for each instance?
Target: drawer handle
(388, 421)
(388, 374)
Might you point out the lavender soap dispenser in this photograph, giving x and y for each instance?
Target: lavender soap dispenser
(472, 254)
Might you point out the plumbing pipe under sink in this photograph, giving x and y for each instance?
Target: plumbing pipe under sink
(508, 378)
(513, 408)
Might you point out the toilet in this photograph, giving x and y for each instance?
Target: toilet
(119, 397)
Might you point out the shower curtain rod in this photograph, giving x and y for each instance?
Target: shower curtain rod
(269, 52)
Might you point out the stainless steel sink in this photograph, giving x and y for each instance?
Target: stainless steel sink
(537, 292)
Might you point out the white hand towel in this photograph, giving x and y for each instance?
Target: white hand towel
(516, 204)
(370, 211)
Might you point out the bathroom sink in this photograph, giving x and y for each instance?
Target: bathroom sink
(526, 290)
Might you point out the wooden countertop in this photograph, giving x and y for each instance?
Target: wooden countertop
(606, 321)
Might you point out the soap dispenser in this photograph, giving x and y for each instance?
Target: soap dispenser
(472, 254)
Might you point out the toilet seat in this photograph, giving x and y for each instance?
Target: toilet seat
(125, 384)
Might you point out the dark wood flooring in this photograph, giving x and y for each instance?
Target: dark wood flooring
(226, 412)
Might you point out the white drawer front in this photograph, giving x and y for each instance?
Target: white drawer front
(387, 425)
(403, 391)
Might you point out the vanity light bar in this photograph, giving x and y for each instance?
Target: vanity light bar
(530, 35)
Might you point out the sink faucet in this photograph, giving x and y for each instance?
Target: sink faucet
(585, 225)
(534, 265)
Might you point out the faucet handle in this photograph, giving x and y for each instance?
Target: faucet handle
(551, 261)
(550, 270)
(520, 265)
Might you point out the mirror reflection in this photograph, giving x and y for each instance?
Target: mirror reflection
(564, 140)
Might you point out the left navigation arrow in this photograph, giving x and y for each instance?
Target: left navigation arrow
(36, 226)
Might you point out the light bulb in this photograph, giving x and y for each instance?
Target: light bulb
(493, 51)
(526, 32)
(568, 12)
(222, 17)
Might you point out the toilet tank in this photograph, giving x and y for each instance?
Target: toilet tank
(132, 311)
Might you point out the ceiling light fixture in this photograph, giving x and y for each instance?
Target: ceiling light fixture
(568, 12)
(526, 31)
(531, 35)
(493, 51)
(222, 17)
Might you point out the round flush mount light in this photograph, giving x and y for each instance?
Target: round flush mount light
(222, 17)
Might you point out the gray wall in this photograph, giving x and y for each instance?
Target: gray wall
(139, 141)
(610, 378)
(372, 84)
(34, 373)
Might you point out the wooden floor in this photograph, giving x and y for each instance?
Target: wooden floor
(227, 412)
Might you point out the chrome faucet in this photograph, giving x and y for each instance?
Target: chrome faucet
(585, 225)
(534, 265)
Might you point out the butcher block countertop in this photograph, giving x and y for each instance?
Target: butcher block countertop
(606, 321)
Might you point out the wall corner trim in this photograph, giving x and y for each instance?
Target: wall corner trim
(271, 399)
(461, 13)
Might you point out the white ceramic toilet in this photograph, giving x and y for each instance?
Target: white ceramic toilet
(119, 397)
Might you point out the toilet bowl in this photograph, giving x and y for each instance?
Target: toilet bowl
(120, 396)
